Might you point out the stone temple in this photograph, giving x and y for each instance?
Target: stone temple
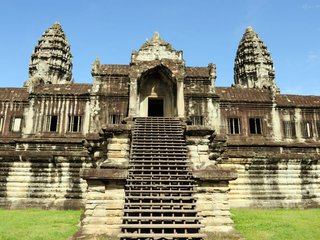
(153, 149)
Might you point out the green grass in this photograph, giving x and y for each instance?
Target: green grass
(278, 224)
(253, 224)
(38, 224)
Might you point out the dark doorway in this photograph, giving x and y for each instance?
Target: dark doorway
(155, 107)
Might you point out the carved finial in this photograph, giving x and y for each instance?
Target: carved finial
(97, 61)
(249, 29)
(96, 66)
(155, 36)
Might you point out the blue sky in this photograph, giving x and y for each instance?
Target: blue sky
(208, 31)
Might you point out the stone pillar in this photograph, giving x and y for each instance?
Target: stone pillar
(204, 149)
(104, 203)
(133, 104)
(180, 98)
(212, 199)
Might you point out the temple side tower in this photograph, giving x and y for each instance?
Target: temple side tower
(51, 61)
(253, 66)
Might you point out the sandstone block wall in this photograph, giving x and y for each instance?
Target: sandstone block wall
(105, 197)
(103, 208)
(213, 206)
(118, 151)
(212, 190)
(45, 182)
(198, 152)
(275, 182)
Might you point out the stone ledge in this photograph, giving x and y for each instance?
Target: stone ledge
(104, 174)
(117, 129)
(198, 130)
(215, 174)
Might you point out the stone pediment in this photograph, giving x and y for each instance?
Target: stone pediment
(156, 49)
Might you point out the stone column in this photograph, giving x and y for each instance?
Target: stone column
(133, 104)
(104, 203)
(180, 98)
(212, 199)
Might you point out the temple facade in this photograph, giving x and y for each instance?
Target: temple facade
(248, 142)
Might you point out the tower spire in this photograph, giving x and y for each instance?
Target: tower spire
(253, 66)
(51, 60)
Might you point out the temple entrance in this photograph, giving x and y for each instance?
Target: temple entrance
(157, 93)
(155, 107)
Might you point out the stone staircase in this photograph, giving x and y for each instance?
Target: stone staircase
(159, 202)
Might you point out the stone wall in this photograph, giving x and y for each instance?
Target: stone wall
(213, 206)
(198, 152)
(104, 203)
(42, 182)
(283, 180)
(105, 197)
(204, 148)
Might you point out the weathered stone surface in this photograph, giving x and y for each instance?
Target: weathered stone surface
(280, 183)
(104, 174)
(43, 183)
(103, 212)
(215, 175)
(199, 131)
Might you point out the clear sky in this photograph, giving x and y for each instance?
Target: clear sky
(208, 31)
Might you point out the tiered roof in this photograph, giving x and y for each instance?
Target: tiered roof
(253, 66)
(238, 95)
(51, 61)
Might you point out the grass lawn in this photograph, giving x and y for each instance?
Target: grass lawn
(38, 224)
(253, 224)
(278, 224)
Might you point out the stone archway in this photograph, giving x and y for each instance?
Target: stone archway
(157, 93)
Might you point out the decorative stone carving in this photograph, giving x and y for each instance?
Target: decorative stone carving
(156, 56)
(156, 49)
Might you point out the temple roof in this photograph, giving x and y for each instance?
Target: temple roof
(114, 69)
(198, 72)
(226, 94)
(233, 94)
(63, 89)
(118, 69)
(14, 94)
(298, 101)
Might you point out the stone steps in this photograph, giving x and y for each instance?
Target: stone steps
(159, 202)
(167, 236)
